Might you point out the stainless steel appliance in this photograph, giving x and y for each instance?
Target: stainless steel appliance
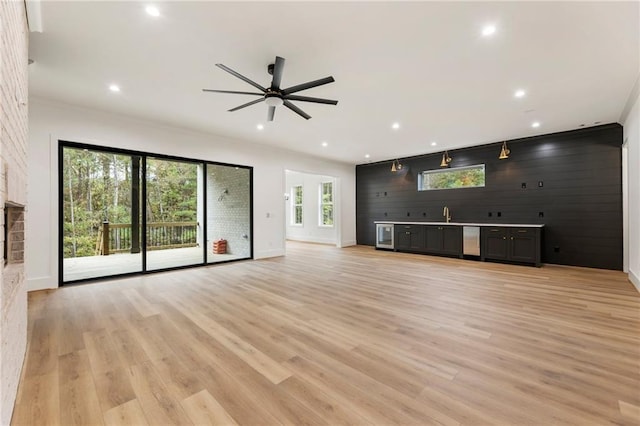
(384, 235)
(471, 240)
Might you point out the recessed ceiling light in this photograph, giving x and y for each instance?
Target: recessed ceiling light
(395, 126)
(519, 93)
(367, 156)
(325, 144)
(153, 11)
(259, 127)
(535, 124)
(488, 30)
(114, 87)
(434, 143)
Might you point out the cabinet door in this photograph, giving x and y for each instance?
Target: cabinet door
(433, 239)
(416, 238)
(495, 243)
(409, 237)
(452, 240)
(523, 245)
(402, 237)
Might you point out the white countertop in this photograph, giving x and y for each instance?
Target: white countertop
(518, 225)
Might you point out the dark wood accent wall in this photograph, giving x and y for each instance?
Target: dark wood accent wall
(573, 186)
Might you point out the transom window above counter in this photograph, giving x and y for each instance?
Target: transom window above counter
(460, 177)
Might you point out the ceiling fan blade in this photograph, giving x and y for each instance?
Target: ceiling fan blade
(246, 105)
(310, 99)
(297, 110)
(272, 112)
(241, 77)
(308, 85)
(278, 67)
(233, 91)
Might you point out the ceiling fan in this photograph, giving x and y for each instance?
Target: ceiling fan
(274, 96)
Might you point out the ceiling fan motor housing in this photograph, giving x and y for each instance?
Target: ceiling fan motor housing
(272, 98)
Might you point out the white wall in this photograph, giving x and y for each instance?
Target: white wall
(632, 137)
(51, 121)
(310, 230)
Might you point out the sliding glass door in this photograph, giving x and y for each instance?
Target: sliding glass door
(125, 212)
(100, 214)
(228, 213)
(174, 234)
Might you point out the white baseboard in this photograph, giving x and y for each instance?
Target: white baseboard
(635, 280)
(312, 240)
(348, 243)
(41, 283)
(268, 253)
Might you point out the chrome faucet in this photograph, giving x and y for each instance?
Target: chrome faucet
(446, 213)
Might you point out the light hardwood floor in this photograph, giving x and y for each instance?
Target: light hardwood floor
(337, 336)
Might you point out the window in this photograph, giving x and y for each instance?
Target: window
(296, 216)
(326, 204)
(460, 177)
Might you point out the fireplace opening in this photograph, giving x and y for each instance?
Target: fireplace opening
(13, 233)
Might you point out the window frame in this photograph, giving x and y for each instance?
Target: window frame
(421, 177)
(321, 205)
(295, 206)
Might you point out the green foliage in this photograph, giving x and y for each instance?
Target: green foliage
(97, 188)
(464, 177)
(297, 201)
(327, 204)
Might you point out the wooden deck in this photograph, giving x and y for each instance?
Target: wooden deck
(78, 268)
(337, 336)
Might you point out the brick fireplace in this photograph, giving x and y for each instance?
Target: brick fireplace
(13, 198)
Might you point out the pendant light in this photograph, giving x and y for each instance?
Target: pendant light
(396, 166)
(504, 152)
(445, 160)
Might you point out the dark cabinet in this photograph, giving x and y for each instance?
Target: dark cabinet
(503, 243)
(494, 243)
(443, 240)
(512, 244)
(409, 237)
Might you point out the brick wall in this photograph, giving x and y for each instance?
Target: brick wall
(229, 209)
(13, 178)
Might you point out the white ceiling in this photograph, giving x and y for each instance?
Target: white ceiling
(423, 64)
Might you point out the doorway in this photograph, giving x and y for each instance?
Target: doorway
(311, 210)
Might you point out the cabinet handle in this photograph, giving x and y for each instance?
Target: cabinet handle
(522, 230)
(408, 233)
(495, 230)
(440, 228)
(512, 238)
(504, 238)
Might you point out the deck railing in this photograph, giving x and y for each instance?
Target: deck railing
(116, 237)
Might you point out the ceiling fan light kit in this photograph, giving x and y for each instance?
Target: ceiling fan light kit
(274, 96)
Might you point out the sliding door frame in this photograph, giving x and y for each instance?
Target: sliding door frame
(143, 210)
